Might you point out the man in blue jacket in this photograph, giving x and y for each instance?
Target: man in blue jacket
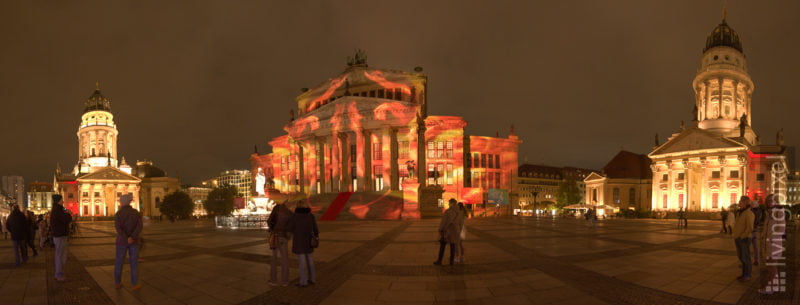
(128, 223)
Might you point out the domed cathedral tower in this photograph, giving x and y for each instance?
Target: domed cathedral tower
(723, 88)
(97, 135)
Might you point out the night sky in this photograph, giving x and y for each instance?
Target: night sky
(195, 84)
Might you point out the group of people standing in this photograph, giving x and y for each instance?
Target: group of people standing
(23, 226)
(752, 228)
(453, 231)
(301, 228)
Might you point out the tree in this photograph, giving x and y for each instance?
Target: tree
(220, 200)
(568, 193)
(177, 205)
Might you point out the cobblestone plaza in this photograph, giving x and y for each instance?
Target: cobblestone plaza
(508, 261)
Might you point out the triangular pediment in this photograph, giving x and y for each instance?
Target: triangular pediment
(109, 173)
(593, 176)
(693, 139)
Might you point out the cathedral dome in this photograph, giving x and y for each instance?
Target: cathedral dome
(146, 169)
(723, 35)
(97, 101)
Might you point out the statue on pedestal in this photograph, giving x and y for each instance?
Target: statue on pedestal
(260, 182)
(410, 166)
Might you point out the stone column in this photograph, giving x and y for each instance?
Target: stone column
(719, 92)
(335, 166)
(366, 160)
(344, 174)
(321, 170)
(735, 103)
(393, 171)
(422, 170)
(708, 100)
(301, 168)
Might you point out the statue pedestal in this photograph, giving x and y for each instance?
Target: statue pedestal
(410, 200)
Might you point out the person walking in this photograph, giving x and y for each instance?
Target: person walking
(774, 224)
(278, 242)
(303, 227)
(731, 219)
(128, 223)
(19, 228)
(449, 231)
(724, 217)
(463, 233)
(59, 228)
(742, 234)
(758, 221)
(32, 228)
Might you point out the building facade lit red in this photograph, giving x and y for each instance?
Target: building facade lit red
(368, 130)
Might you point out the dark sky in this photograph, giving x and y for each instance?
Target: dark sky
(195, 84)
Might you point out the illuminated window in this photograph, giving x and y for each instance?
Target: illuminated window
(733, 198)
(431, 149)
(439, 174)
(431, 173)
(491, 161)
(714, 200)
(449, 153)
(403, 149)
(715, 174)
(376, 151)
(449, 173)
(680, 201)
(615, 194)
(403, 173)
(476, 158)
(439, 149)
(734, 174)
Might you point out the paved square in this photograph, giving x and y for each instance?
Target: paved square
(508, 261)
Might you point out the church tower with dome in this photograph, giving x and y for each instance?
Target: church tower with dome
(709, 164)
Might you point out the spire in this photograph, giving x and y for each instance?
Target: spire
(97, 83)
(724, 10)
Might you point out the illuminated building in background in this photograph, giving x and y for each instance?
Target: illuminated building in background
(198, 195)
(624, 183)
(40, 197)
(539, 184)
(14, 189)
(368, 130)
(718, 158)
(154, 186)
(241, 179)
(98, 179)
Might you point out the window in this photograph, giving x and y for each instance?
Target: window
(390, 94)
(403, 149)
(734, 174)
(376, 151)
(449, 152)
(715, 174)
(372, 93)
(497, 161)
(439, 175)
(398, 94)
(615, 193)
(431, 149)
(85, 194)
(449, 173)
(483, 161)
(666, 201)
(760, 177)
(632, 196)
(680, 201)
(439, 149)
(681, 176)
(665, 177)
(733, 198)
(353, 153)
(431, 173)
(476, 158)
(491, 161)
(714, 200)
(380, 93)
(97, 194)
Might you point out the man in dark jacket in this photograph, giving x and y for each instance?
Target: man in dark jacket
(59, 228)
(18, 226)
(303, 227)
(277, 222)
(32, 227)
(128, 223)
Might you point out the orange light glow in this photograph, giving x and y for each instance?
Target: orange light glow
(377, 76)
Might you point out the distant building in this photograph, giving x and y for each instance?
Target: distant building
(623, 183)
(793, 188)
(241, 179)
(540, 183)
(40, 197)
(198, 194)
(154, 186)
(14, 189)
